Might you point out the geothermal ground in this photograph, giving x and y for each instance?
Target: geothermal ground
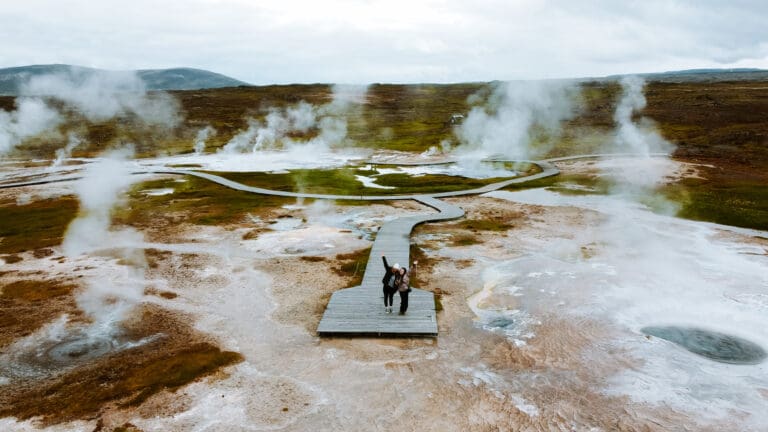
(625, 293)
(544, 299)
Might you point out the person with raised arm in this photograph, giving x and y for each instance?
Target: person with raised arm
(390, 281)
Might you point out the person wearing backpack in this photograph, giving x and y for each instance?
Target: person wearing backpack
(404, 287)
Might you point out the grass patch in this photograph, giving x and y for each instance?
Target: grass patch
(313, 258)
(12, 259)
(342, 181)
(27, 304)
(189, 165)
(196, 201)
(36, 225)
(126, 378)
(438, 302)
(724, 197)
(35, 290)
(464, 240)
(81, 394)
(495, 225)
(174, 371)
(352, 266)
(569, 184)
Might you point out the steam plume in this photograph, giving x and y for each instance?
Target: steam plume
(101, 95)
(640, 138)
(31, 117)
(98, 96)
(275, 131)
(202, 136)
(106, 300)
(513, 116)
(73, 140)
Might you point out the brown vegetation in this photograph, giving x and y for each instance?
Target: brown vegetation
(121, 379)
(28, 302)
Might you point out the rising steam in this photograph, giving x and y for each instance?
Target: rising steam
(106, 300)
(102, 95)
(636, 137)
(201, 137)
(31, 117)
(329, 120)
(46, 100)
(73, 141)
(516, 119)
(641, 138)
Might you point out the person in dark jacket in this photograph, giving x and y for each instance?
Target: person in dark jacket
(404, 287)
(390, 281)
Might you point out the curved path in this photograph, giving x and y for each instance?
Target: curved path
(359, 310)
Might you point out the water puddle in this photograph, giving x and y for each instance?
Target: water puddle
(715, 346)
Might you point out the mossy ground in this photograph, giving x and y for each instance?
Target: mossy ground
(39, 224)
(27, 302)
(194, 201)
(125, 378)
(352, 265)
(725, 196)
(342, 181)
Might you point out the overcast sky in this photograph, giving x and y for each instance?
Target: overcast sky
(287, 41)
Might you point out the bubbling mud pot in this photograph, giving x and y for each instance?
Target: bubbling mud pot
(78, 347)
(715, 346)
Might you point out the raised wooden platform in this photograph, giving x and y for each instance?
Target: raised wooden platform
(359, 311)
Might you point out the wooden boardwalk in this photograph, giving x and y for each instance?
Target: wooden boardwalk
(359, 311)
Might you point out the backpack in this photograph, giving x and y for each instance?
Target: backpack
(405, 284)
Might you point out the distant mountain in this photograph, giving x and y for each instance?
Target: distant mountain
(154, 79)
(704, 75)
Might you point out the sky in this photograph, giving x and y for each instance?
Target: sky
(403, 41)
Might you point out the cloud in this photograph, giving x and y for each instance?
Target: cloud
(390, 41)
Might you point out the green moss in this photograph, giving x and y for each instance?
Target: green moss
(484, 225)
(202, 201)
(342, 181)
(438, 302)
(569, 184)
(82, 392)
(36, 225)
(352, 265)
(741, 203)
(464, 240)
(174, 371)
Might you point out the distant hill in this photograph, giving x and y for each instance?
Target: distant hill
(155, 79)
(704, 75)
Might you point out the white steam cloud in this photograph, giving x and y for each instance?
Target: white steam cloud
(275, 131)
(106, 300)
(506, 121)
(642, 137)
(31, 117)
(73, 141)
(202, 136)
(100, 96)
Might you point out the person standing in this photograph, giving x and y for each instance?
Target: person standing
(404, 287)
(390, 281)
